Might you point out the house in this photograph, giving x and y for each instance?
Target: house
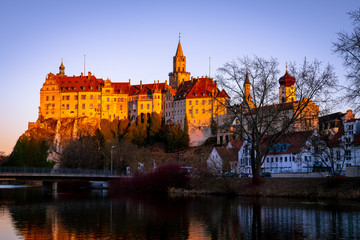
(346, 145)
(224, 159)
(290, 154)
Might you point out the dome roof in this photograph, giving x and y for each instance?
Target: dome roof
(287, 80)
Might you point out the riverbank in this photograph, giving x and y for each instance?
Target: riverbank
(320, 188)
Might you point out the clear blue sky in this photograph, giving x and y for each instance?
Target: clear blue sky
(137, 39)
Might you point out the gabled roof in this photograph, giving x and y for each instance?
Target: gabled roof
(199, 88)
(236, 144)
(229, 154)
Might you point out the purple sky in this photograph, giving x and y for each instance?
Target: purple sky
(137, 39)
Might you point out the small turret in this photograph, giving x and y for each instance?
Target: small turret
(62, 69)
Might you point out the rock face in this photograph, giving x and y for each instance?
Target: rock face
(58, 132)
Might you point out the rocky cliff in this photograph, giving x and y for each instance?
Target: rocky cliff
(58, 132)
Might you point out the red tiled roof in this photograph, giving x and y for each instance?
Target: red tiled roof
(145, 88)
(229, 154)
(199, 88)
(121, 87)
(80, 83)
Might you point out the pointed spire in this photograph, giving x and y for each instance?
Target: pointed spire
(179, 51)
(247, 81)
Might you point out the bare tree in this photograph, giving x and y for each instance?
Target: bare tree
(262, 119)
(348, 48)
(329, 154)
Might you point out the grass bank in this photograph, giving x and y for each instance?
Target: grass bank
(322, 188)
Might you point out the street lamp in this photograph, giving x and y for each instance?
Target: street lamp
(111, 166)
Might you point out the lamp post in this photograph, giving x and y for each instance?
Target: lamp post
(111, 164)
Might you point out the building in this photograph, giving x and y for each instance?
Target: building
(199, 99)
(302, 115)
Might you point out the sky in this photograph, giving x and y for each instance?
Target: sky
(137, 40)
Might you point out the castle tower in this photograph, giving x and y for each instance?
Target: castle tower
(287, 88)
(62, 69)
(247, 94)
(179, 74)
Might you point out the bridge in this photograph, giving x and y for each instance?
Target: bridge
(50, 176)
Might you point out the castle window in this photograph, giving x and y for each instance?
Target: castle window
(99, 97)
(120, 107)
(91, 96)
(67, 106)
(91, 106)
(108, 107)
(190, 111)
(148, 106)
(63, 97)
(178, 69)
(203, 102)
(76, 106)
(141, 106)
(83, 97)
(63, 106)
(189, 102)
(83, 106)
(53, 106)
(203, 111)
(47, 98)
(53, 98)
(196, 101)
(108, 99)
(76, 97)
(196, 111)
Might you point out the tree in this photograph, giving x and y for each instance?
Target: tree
(262, 119)
(154, 127)
(186, 138)
(30, 152)
(348, 48)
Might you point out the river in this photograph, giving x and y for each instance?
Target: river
(30, 213)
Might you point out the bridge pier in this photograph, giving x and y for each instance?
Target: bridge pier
(47, 185)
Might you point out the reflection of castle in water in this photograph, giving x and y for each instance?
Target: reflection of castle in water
(161, 217)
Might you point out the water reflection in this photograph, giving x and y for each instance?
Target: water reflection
(90, 215)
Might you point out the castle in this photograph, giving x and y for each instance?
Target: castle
(63, 96)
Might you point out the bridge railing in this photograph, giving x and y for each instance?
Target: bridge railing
(57, 171)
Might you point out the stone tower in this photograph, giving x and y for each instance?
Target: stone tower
(179, 74)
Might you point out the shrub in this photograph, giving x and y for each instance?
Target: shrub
(159, 181)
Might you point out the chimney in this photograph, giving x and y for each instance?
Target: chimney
(129, 81)
(82, 74)
(140, 84)
(89, 75)
(158, 81)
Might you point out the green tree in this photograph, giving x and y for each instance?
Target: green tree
(154, 127)
(30, 152)
(174, 138)
(185, 138)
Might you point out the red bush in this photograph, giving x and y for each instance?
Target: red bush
(159, 180)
